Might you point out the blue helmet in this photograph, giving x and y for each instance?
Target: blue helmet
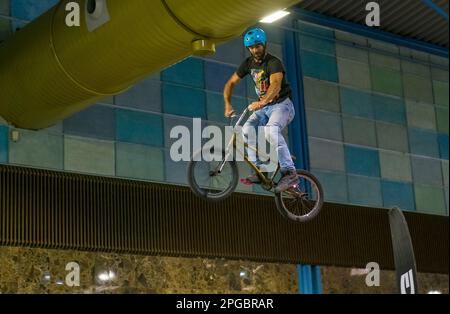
(255, 36)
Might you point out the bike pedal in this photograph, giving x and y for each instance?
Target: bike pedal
(246, 182)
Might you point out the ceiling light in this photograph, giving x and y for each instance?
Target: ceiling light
(275, 16)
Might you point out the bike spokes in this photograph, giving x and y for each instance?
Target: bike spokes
(302, 201)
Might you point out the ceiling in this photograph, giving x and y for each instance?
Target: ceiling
(417, 19)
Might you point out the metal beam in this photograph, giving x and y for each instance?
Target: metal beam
(436, 8)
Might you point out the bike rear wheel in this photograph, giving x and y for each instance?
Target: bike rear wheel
(207, 182)
(302, 202)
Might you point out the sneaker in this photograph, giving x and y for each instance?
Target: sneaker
(254, 178)
(288, 180)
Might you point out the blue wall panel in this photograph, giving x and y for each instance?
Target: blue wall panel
(398, 194)
(357, 103)
(389, 109)
(96, 122)
(423, 142)
(443, 145)
(319, 66)
(187, 72)
(139, 128)
(4, 131)
(362, 161)
(217, 75)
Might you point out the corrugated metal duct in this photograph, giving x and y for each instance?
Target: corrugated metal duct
(48, 71)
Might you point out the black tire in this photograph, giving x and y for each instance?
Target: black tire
(211, 193)
(292, 199)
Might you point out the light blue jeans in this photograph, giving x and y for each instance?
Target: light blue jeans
(276, 116)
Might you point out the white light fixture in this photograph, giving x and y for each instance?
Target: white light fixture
(275, 16)
(434, 292)
(106, 276)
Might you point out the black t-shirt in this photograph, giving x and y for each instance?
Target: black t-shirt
(260, 74)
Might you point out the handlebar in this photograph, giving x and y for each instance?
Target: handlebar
(234, 115)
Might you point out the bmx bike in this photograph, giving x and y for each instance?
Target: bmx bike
(215, 180)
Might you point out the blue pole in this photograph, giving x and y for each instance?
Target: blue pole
(309, 280)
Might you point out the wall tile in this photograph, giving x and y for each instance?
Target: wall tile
(438, 60)
(395, 166)
(139, 162)
(443, 146)
(4, 135)
(274, 34)
(421, 115)
(442, 119)
(392, 137)
(389, 109)
(438, 74)
(444, 166)
(353, 73)
(380, 45)
(352, 53)
(416, 68)
(384, 60)
(276, 50)
(414, 54)
(430, 200)
(89, 156)
(359, 131)
(96, 122)
(334, 185)
(145, 95)
(417, 88)
(365, 191)
(397, 194)
(189, 72)
(139, 128)
(423, 143)
(321, 95)
(37, 149)
(176, 172)
(319, 66)
(217, 75)
(326, 155)
(440, 90)
(426, 171)
(362, 161)
(350, 38)
(316, 44)
(25, 10)
(315, 30)
(324, 125)
(386, 81)
(183, 101)
(356, 103)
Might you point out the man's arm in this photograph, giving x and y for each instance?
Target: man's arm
(274, 89)
(227, 92)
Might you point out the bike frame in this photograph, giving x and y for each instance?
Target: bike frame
(232, 144)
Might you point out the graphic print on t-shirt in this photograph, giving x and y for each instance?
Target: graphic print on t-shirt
(261, 81)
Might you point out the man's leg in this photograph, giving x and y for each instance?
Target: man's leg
(250, 133)
(279, 117)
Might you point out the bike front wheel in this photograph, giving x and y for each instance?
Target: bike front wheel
(208, 181)
(302, 202)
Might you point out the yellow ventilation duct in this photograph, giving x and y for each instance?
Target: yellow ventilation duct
(48, 71)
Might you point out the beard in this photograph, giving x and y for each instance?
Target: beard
(259, 56)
